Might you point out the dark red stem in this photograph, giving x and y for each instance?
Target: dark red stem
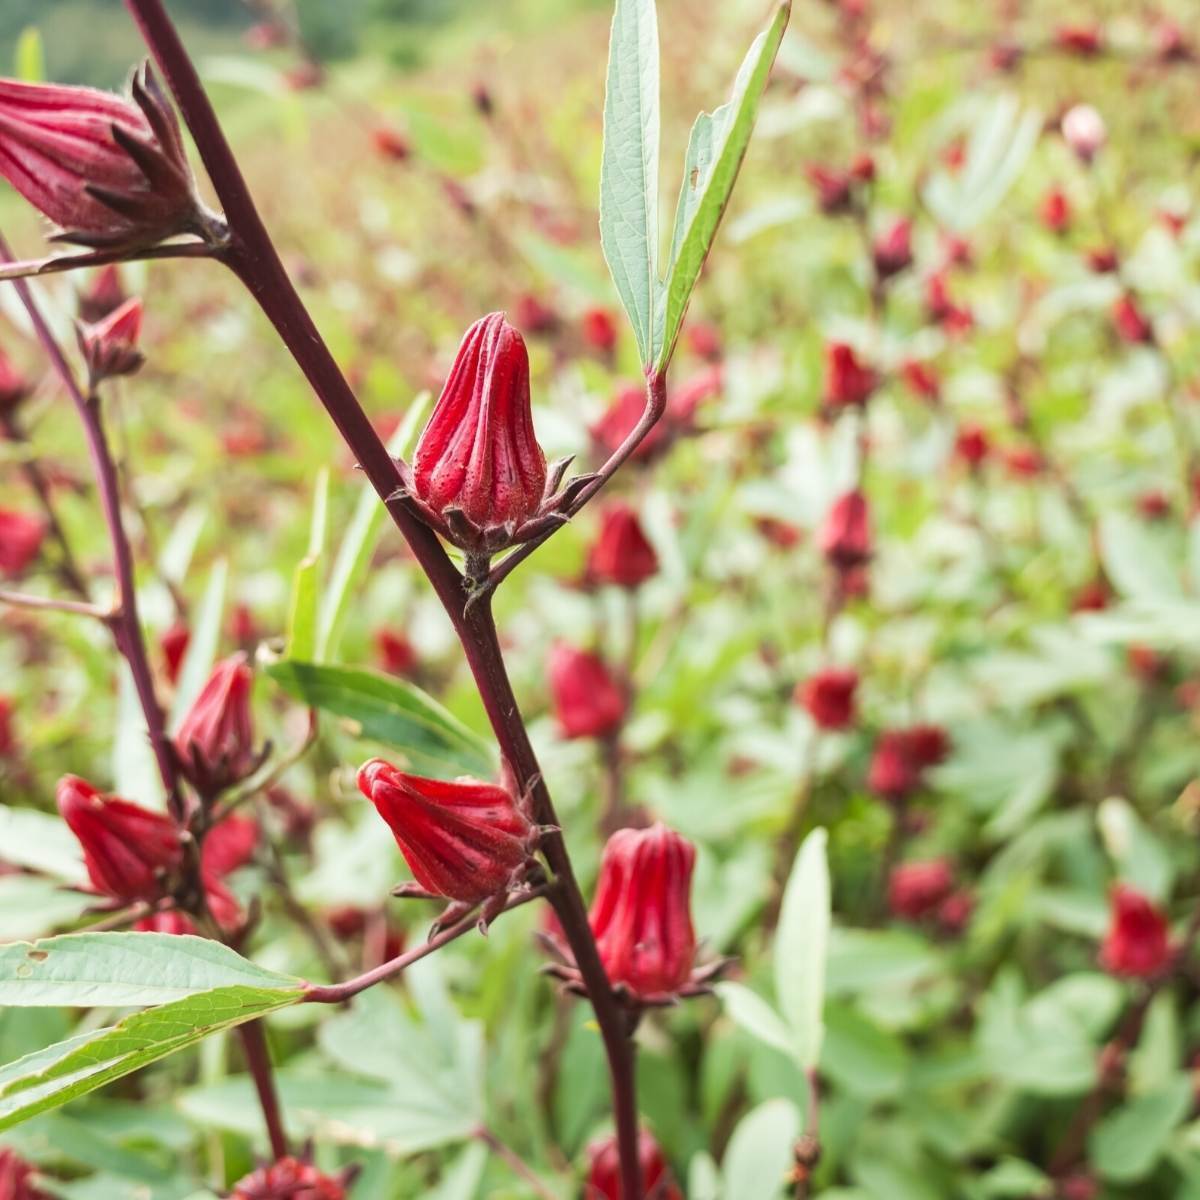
(258, 1059)
(252, 256)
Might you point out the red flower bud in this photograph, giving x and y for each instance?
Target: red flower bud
(845, 538)
(1130, 324)
(170, 920)
(1145, 663)
(127, 849)
(478, 469)
(621, 553)
(534, 316)
(604, 1171)
(108, 171)
(1083, 130)
(1138, 940)
(703, 340)
(892, 251)
(390, 143)
(971, 445)
(1171, 46)
(923, 380)
(1056, 211)
(215, 740)
(289, 1179)
(862, 169)
(916, 889)
(942, 309)
(1092, 597)
(1023, 462)
(641, 915)
(110, 347)
(927, 744)
(173, 644)
(828, 697)
(893, 774)
(847, 381)
(619, 420)
(588, 701)
(229, 845)
(1154, 505)
(683, 401)
(599, 330)
(395, 652)
(466, 840)
(21, 538)
(102, 296)
(1005, 57)
(833, 189)
(16, 1178)
(955, 911)
(1084, 40)
(8, 739)
(1102, 260)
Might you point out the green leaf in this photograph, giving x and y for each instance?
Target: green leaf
(1139, 559)
(30, 57)
(123, 969)
(760, 1152)
(202, 645)
(714, 156)
(756, 1016)
(1125, 1146)
(359, 543)
(134, 768)
(50, 1077)
(802, 946)
(30, 905)
(391, 711)
(629, 166)
(306, 582)
(40, 842)
(861, 1057)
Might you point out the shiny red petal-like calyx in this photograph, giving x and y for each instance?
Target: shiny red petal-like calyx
(127, 849)
(828, 697)
(917, 889)
(110, 346)
(463, 839)
(845, 538)
(641, 915)
(1138, 940)
(21, 536)
(604, 1171)
(215, 740)
(289, 1179)
(478, 455)
(848, 382)
(621, 553)
(588, 701)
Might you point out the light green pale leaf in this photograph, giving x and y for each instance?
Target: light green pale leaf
(629, 167)
(306, 582)
(802, 946)
(759, 1155)
(30, 57)
(40, 842)
(134, 769)
(756, 1016)
(714, 155)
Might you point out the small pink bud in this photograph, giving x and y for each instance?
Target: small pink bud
(703, 340)
(828, 697)
(1056, 211)
(215, 740)
(848, 382)
(599, 330)
(1092, 597)
(478, 469)
(619, 420)
(917, 889)
(833, 189)
(1138, 940)
(1102, 260)
(109, 172)
(391, 144)
(928, 745)
(21, 536)
(1131, 325)
(845, 537)
(395, 653)
(466, 840)
(103, 295)
(128, 850)
(1084, 131)
(621, 553)
(588, 702)
(1171, 45)
(942, 308)
(1154, 505)
(922, 379)
(534, 316)
(604, 1171)
(1086, 41)
(892, 251)
(971, 445)
(641, 915)
(892, 773)
(173, 644)
(110, 347)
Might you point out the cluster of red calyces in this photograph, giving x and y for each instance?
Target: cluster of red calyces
(604, 1171)
(901, 758)
(292, 1178)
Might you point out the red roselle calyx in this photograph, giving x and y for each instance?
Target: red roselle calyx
(464, 839)
(478, 474)
(14, 387)
(130, 852)
(848, 382)
(892, 250)
(918, 889)
(621, 554)
(109, 172)
(110, 346)
(215, 741)
(828, 697)
(293, 1179)
(102, 296)
(845, 537)
(1138, 940)
(588, 701)
(604, 1171)
(21, 536)
(16, 1178)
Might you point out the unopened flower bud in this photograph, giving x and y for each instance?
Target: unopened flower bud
(110, 346)
(478, 471)
(922, 379)
(290, 1179)
(845, 537)
(1084, 131)
(129, 851)
(109, 172)
(848, 382)
(604, 1170)
(828, 697)
(892, 773)
(704, 340)
(170, 920)
(599, 330)
(1138, 940)
(971, 445)
(8, 737)
(621, 554)
(464, 839)
(534, 315)
(391, 144)
(1086, 41)
(917, 889)
(103, 295)
(21, 536)
(588, 701)
(620, 419)
(215, 740)
(641, 916)
(1056, 211)
(395, 652)
(16, 1177)
(1130, 323)
(173, 645)
(892, 251)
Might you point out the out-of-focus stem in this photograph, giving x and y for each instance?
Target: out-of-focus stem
(258, 1059)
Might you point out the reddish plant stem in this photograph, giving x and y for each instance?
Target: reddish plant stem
(78, 608)
(251, 254)
(124, 621)
(55, 264)
(258, 1059)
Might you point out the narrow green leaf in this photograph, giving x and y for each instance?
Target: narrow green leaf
(756, 1016)
(50, 1077)
(801, 947)
(629, 166)
(1125, 1145)
(30, 57)
(123, 969)
(306, 582)
(714, 156)
(358, 545)
(202, 645)
(391, 711)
